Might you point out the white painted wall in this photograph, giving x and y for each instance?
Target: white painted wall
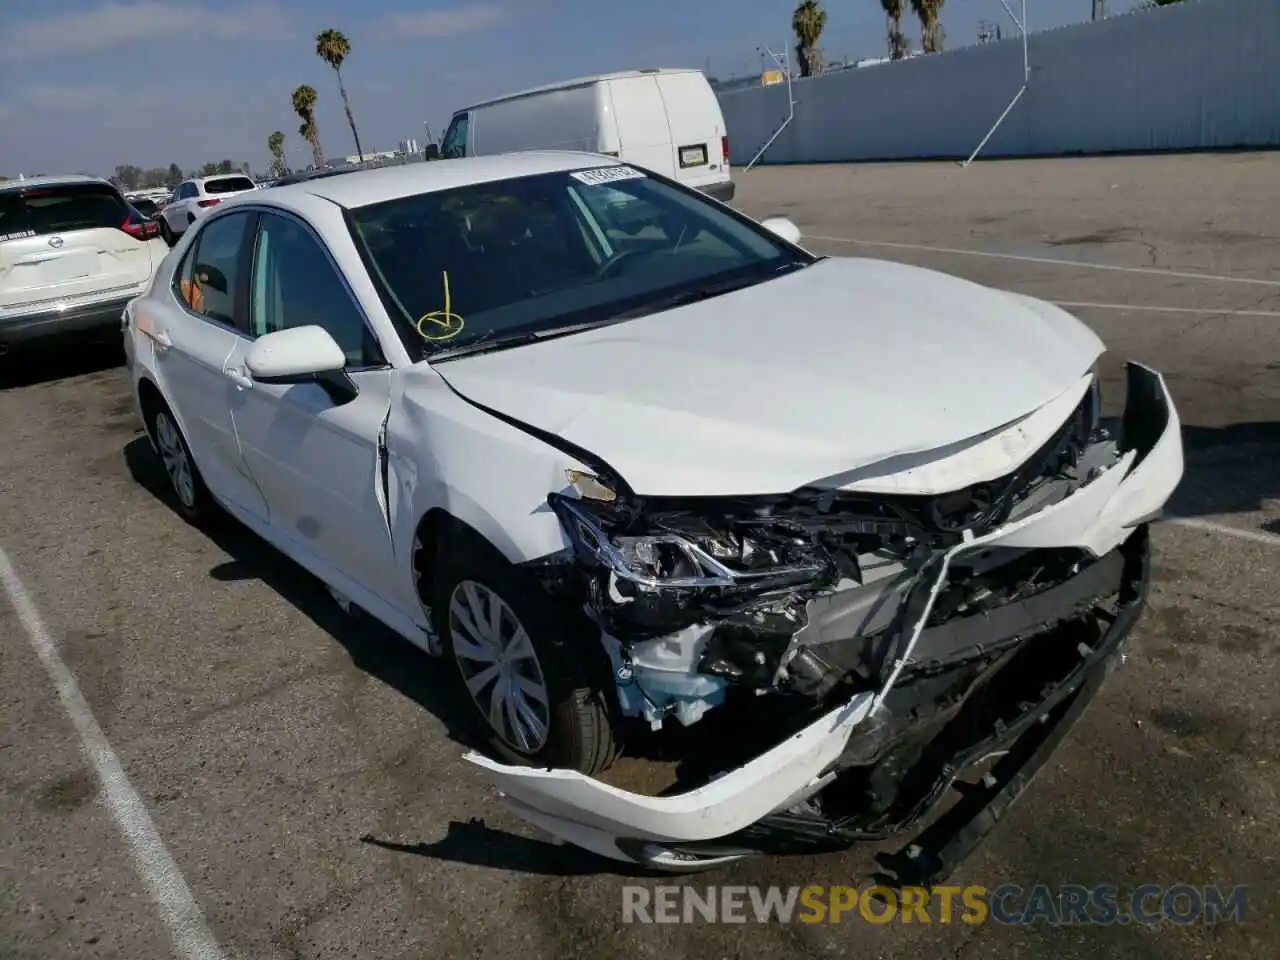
(1196, 75)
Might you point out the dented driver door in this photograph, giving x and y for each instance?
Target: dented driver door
(320, 467)
(316, 452)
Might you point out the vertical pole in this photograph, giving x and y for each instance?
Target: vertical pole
(1026, 78)
(785, 62)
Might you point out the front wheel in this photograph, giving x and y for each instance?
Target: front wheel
(507, 653)
(166, 232)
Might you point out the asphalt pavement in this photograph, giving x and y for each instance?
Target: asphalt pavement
(302, 772)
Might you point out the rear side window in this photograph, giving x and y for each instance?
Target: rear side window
(229, 185)
(208, 279)
(61, 209)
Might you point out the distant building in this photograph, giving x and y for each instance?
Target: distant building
(408, 146)
(369, 155)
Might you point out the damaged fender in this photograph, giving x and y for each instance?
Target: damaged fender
(1097, 517)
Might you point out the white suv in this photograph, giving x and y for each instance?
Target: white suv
(72, 254)
(194, 197)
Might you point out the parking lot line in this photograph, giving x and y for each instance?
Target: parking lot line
(1208, 526)
(1078, 304)
(191, 935)
(1052, 261)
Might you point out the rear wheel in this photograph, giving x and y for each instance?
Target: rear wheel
(532, 701)
(192, 497)
(166, 233)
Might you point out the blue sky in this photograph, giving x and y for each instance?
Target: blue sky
(86, 85)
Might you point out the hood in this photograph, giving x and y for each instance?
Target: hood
(790, 382)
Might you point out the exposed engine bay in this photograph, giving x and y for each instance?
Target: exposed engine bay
(900, 639)
(807, 594)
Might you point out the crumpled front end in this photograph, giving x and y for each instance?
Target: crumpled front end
(909, 639)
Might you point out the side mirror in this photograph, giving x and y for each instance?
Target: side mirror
(782, 227)
(302, 355)
(432, 151)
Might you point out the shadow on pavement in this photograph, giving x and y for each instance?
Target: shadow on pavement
(45, 363)
(478, 845)
(372, 647)
(1230, 469)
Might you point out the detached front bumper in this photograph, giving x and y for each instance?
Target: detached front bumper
(746, 811)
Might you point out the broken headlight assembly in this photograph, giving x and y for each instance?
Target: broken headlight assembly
(682, 551)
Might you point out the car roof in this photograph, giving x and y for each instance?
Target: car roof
(53, 181)
(579, 82)
(292, 178)
(360, 188)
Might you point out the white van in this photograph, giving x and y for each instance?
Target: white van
(667, 121)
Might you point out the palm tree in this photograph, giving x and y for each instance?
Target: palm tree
(333, 47)
(304, 105)
(931, 34)
(899, 45)
(808, 22)
(275, 146)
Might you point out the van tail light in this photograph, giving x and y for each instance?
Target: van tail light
(207, 203)
(144, 230)
(724, 148)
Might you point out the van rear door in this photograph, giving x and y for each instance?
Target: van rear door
(644, 133)
(699, 154)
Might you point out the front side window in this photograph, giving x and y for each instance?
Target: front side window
(514, 259)
(296, 285)
(207, 279)
(454, 144)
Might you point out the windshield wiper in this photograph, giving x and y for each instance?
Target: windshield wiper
(699, 294)
(490, 342)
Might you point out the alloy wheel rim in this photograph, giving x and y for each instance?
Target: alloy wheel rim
(499, 667)
(176, 462)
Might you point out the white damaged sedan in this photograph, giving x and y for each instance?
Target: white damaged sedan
(622, 456)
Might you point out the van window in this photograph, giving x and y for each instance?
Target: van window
(454, 144)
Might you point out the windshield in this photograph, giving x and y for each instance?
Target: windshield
(512, 259)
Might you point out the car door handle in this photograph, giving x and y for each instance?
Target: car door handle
(160, 338)
(240, 377)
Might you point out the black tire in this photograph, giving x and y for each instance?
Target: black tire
(581, 734)
(191, 218)
(166, 232)
(193, 502)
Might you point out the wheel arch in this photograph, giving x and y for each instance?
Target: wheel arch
(433, 531)
(150, 400)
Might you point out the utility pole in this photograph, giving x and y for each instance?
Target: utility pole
(1099, 9)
